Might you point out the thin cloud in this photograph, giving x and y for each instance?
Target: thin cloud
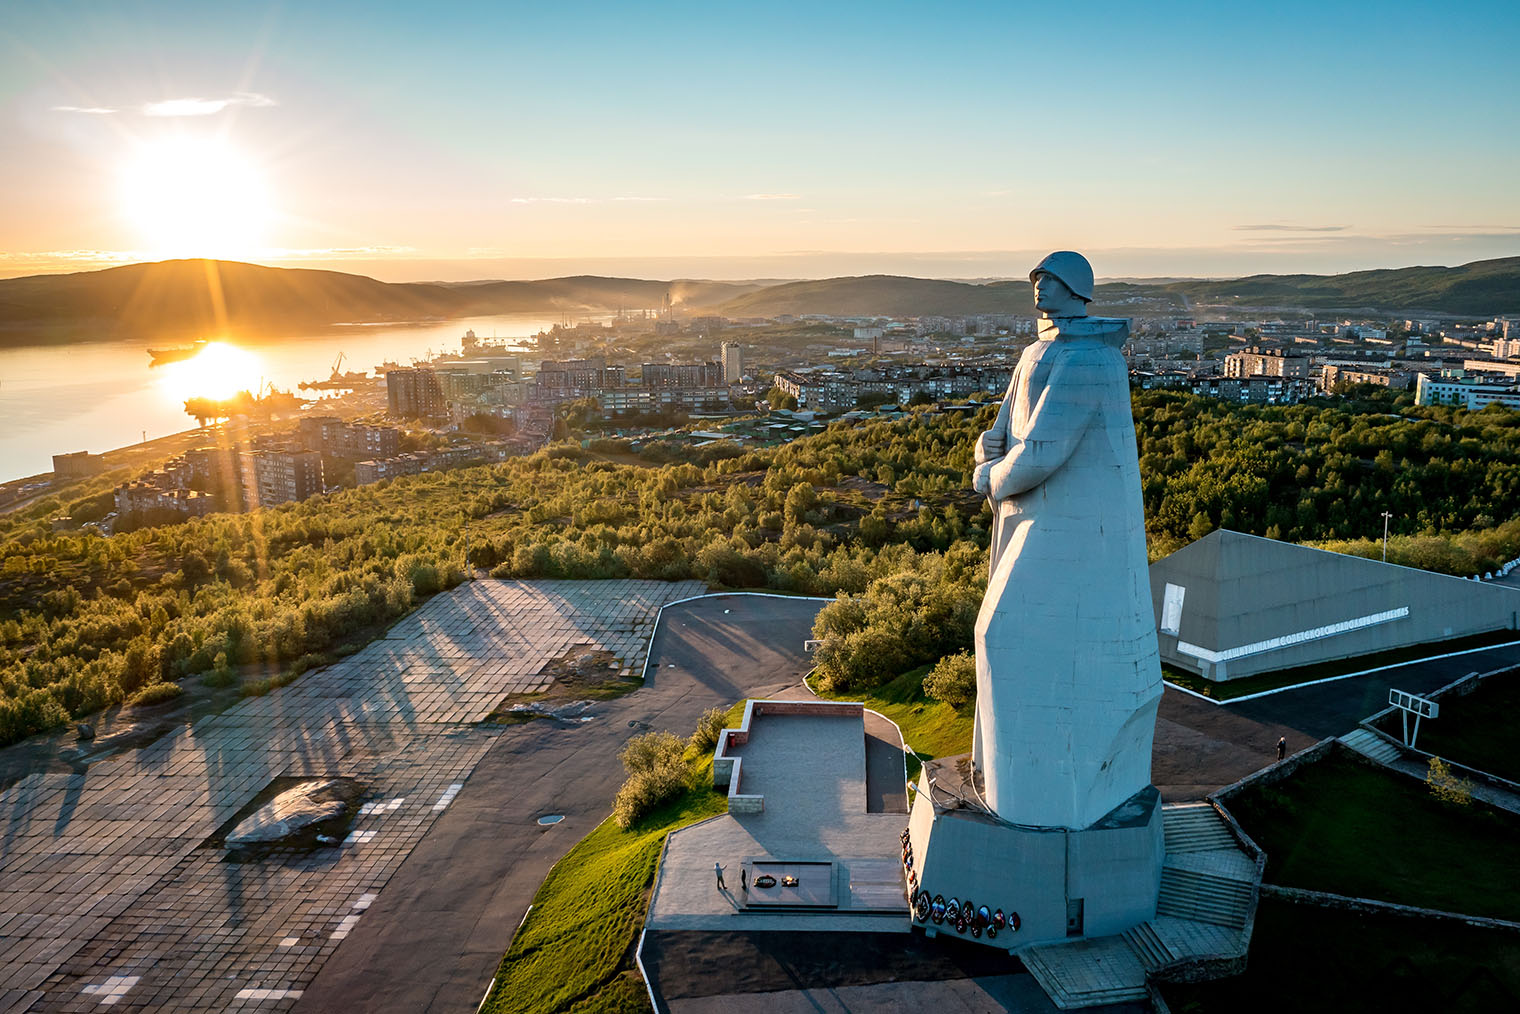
(1475, 229)
(1291, 228)
(773, 197)
(205, 107)
(88, 110)
(299, 253)
(582, 200)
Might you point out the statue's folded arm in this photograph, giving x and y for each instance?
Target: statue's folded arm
(1055, 427)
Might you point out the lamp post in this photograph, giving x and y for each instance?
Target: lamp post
(1386, 516)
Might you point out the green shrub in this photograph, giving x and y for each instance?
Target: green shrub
(222, 674)
(648, 751)
(903, 620)
(35, 711)
(154, 693)
(953, 679)
(657, 772)
(708, 727)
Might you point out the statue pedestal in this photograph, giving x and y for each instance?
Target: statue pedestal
(1050, 884)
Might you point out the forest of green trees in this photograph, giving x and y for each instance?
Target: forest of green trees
(878, 512)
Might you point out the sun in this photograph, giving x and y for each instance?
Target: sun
(195, 197)
(218, 370)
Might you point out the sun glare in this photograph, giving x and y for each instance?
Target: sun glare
(217, 371)
(195, 197)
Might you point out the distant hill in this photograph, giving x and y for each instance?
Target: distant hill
(180, 298)
(168, 300)
(591, 292)
(900, 296)
(881, 295)
(1478, 289)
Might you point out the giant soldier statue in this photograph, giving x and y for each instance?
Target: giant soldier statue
(1067, 671)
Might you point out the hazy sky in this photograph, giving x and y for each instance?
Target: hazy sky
(501, 139)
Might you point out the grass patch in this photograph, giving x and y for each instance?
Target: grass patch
(574, 952)
(1232, 689)
(1342, 826)
(1320, 961)
(1477, 730)
(931, 728)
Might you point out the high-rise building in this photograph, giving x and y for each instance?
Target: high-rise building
(338, 439)
(279, 476)
(415, 393)
(732, 355)
(681, 375)
(77, 464)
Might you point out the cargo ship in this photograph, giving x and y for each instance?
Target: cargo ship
(338, 381)
(162, 357)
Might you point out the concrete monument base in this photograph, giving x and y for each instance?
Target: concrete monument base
(1014, 886)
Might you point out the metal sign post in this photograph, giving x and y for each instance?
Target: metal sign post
(1420, 707)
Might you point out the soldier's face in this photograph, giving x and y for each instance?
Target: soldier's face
(1051, 294)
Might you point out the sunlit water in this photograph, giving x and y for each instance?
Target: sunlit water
(96, 396)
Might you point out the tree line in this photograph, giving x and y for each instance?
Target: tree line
(878, 513)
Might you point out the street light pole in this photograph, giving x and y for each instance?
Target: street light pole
(1386, 516)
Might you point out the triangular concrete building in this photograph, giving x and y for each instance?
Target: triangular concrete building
(1233, 605)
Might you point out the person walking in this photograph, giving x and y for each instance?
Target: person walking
(1282, 747)
(744, 880)
(718, 869)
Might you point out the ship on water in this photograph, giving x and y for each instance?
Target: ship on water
(179, 353)
(338, 381)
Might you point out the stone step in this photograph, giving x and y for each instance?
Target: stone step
(1074, 976)
(1186, 894)
(1195, 829)
(1371, 745)
(1148, 946)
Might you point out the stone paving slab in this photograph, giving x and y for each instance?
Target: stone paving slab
(107, 897)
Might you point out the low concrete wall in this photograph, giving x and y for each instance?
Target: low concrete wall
(1267, 776)
(1346, 903)
(728, 770)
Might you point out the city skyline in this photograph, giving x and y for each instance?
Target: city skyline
(511, 141)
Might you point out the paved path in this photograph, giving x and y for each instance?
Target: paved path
(470, 881)
(1014, 994)
(1200, 746)
(107, 897)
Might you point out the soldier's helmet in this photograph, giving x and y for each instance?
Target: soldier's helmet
(1072, 269)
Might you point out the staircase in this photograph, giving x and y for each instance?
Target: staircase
(1148, 946)
(1205, 877)
(1369, 744)
(1203, 897)
(1087, 973)
(1195, 828)
(1207, 883)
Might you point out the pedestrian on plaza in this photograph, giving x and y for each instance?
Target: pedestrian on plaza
(718, 869)
(1282, 747)
(744, 880)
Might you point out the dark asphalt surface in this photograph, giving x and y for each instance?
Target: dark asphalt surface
(432, 940)
(1333, 709)
(886, 778)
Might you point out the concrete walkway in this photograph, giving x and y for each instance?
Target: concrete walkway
(108, 899)
(473, 878)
